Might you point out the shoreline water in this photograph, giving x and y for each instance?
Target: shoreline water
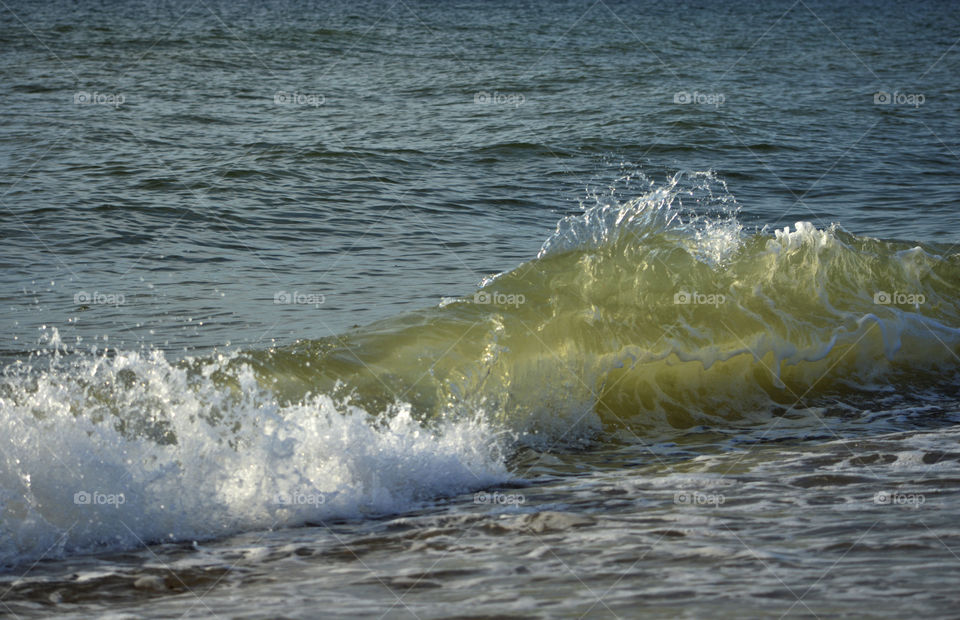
(391, 309)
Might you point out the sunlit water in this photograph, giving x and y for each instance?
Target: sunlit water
(395, 309)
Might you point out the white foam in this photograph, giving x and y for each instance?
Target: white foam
(241, 461)
(706, 226)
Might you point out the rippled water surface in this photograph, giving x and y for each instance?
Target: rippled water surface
(392, 309)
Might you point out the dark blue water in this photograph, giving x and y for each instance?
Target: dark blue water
(184, 177)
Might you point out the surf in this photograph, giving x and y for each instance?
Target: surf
(659, 311)
(650, 314)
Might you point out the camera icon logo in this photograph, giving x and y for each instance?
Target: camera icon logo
(81, 498)
(482, 97)
(482, 297)
(81, 298)
(681, 498)
(882, 297)
(882, 97)
(882, 498)
(282, 297)
(682, 97)
(682, 298)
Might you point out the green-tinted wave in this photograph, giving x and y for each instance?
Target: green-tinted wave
(658, 310)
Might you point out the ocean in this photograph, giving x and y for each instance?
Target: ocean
(453, 309)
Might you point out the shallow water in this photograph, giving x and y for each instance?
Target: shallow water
(392, 309)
